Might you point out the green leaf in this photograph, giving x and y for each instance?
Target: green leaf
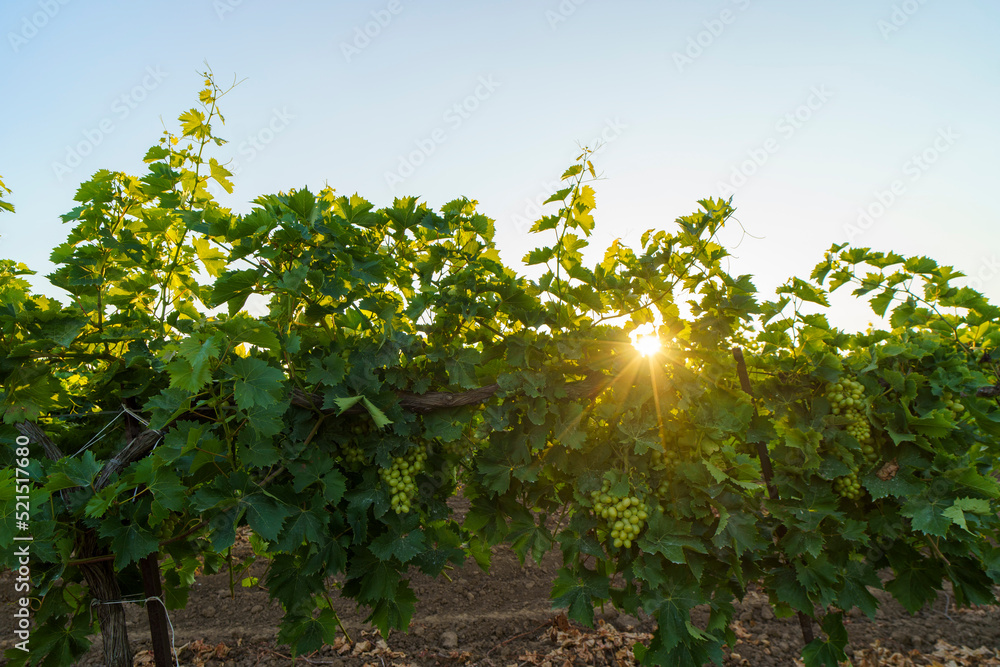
(789, 589)
(394, 613)
(673, 610)
(257, 384)
(192, 123)
(291, 585)
(306, 634)
(578, 591)
(527, 536)
(855, 593)
(401, 547)
(572, 171)
(808, 292)
(169, 494)
(915, 583)
(669, 537)
(381, 421)
(234, 287)
(129, 542)
(301, 526)
(972, 505)
(221, 175)
(902, 485)
(347, 403)
(70, 472)
(829, 653)
(213, 259)
(928, 516)
(880, 304)
(265, 514)
(538, 256)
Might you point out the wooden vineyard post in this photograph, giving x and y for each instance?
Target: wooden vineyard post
(159, 630)
(805, 622)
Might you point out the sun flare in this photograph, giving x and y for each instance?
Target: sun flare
(647, 345)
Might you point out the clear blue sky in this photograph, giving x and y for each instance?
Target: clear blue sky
(808, 112)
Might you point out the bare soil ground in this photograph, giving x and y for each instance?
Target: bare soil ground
(505, 618)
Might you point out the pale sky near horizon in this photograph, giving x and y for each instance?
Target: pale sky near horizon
(871, 121)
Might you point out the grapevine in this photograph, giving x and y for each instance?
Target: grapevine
(337, 422)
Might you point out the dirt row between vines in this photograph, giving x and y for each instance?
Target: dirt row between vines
(505, 617)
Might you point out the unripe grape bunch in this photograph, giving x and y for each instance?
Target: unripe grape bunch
(353, 456)
(847, 397)
(954, 407)
(624, 516)
(666, 458)
(848, 486)
(663, 488)
(401, 479)
(455, 448)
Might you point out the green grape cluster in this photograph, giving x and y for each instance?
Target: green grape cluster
(848, 486)
(353, 456)
(954, 407)
(453, 448)
(402, 478)
(847, 397)
(624, 516)
(845, 394)
(666, 458)
(168, 527)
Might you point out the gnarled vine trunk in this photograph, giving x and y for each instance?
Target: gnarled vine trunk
(104, 587)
